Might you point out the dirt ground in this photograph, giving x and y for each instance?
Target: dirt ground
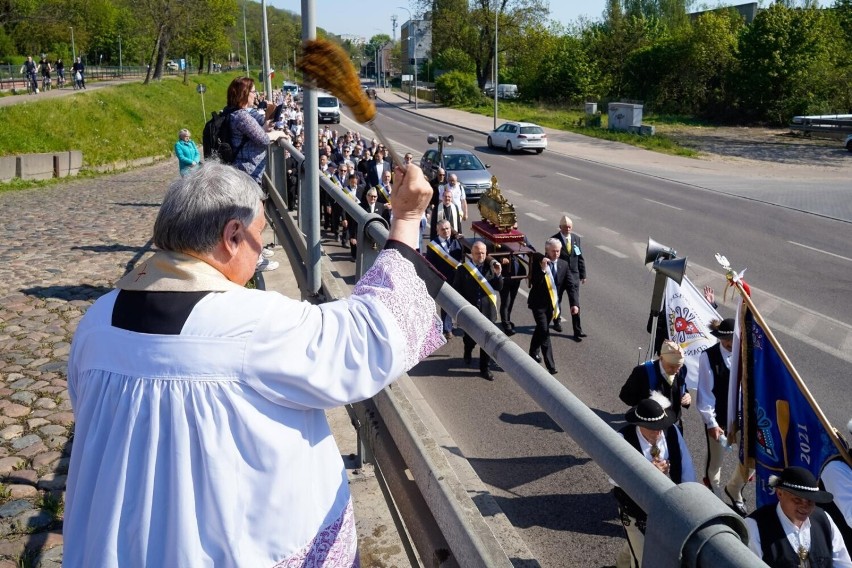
(773, 145)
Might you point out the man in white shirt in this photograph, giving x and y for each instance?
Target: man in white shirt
(795, 532)
(714, 366)
(457, 191)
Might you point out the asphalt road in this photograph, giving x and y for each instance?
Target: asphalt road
(798, 264)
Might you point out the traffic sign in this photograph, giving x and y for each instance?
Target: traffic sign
(200, 88)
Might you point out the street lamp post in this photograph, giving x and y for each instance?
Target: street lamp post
(414, 51)
(120, 66)
(73, 48)
(245, 39)
(495, 82)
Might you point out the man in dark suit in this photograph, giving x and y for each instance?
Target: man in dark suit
(548, 274)
(445, 253)
(666, 374)
(292, 167)
(371, 204)
(513, 267)
(572, 253)
(376, 168)
(479, 280)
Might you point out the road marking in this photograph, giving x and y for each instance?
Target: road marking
(536, 217)
(613, 252)
(573, 217)
(523, 293)
(513, 192)
(820, 250)
(609, 230)
(508, 158)
(537, 202)
(663, 204)
(567, 176)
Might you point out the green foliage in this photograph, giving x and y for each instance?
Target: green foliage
(565, 73)
(454, 59)
(457, 88)
(108, 125)
(785, 64)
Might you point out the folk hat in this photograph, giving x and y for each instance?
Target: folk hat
(653, 413)
(801, 483)
(724, 328)
(671, 352)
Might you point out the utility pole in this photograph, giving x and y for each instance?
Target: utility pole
(73, 48)
(120, 73)
(267, 69)
(245, 39)
(494, 81)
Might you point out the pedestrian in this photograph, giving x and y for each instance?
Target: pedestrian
(795, 532)
(199, 404)
(79, 71)
(449, 211)
(478, 280)
(445, 253)
(186, 152)
(457, 191)
(666, 374)
(572, 253)
(250, 131)
(651, 430)
(548, 273)
(513, 272)
(714, 371)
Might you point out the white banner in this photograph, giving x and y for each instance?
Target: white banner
(687, 318)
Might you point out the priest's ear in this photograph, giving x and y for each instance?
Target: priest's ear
(232, 235)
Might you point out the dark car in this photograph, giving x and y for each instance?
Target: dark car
(470, 170)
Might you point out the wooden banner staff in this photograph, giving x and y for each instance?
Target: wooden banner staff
(735, 280)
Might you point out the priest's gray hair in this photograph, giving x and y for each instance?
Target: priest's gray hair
(552, 242)
(197, 207)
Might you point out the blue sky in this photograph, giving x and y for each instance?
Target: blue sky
(363, 17)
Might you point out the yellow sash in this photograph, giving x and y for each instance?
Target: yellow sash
(550, 281)
(381, 190)
(483, 283)
(445, 256)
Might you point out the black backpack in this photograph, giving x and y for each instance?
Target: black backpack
(217, 138)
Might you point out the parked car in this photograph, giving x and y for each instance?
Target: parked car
(470, 170)
(172, 65)
(328, 109)
(507, 91)
(518, 136)
(848, 143)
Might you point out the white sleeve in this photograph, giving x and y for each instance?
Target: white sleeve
(837, 478)
(706, 399)
(753, 537)
(305, 356)
(839, 553)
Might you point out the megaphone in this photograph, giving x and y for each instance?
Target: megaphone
(657, 250)
(449, 139)
(674, 268)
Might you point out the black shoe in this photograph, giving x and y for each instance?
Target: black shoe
(557, 327)
(512, 325)
(577, 338)
(487, 375)
(552, 370)
(467, 358)
(737, 506)
(507, 329)
(536, 357)
(581, 334)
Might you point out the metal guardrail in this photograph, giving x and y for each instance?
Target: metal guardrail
(687, 524)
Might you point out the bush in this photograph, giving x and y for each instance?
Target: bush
(457, 88)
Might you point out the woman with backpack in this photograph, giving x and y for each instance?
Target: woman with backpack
(251, 132)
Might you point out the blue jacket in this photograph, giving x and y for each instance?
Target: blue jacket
(187, 155)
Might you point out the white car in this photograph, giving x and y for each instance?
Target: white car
(518, 136)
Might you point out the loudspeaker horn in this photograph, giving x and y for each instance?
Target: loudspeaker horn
(656, 250)
(449, 139)
(674, 268)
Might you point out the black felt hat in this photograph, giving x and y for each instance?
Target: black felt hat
(801, 483)
(653, 413)
(724, 328)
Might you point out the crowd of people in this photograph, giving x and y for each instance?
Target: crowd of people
(655, 392)
(31, 72)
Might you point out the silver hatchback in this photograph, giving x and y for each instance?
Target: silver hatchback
(470, 170)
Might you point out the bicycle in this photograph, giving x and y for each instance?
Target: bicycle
(32, 83)
(60, 81)
(45, 83)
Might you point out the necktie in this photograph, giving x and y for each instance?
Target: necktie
(553, 270)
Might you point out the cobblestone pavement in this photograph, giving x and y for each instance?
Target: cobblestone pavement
(60, 249)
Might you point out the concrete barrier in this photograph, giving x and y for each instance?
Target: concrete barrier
(8, 168)
(67, 163)
(35, 166)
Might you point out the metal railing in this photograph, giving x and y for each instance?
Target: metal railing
(687, 525)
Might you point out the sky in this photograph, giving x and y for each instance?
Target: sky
(370, 17)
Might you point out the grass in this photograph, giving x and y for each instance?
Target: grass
(53, 504)
(108, 125)
(573, 121)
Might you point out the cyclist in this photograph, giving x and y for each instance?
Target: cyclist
(45, 68)
(79, 70)
(60, 73)
(29, 71)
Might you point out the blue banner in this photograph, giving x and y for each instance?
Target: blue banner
(779, 425)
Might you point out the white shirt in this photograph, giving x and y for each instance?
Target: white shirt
(800, 536)
(706, 399)
(211, 447)
(837, 478)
